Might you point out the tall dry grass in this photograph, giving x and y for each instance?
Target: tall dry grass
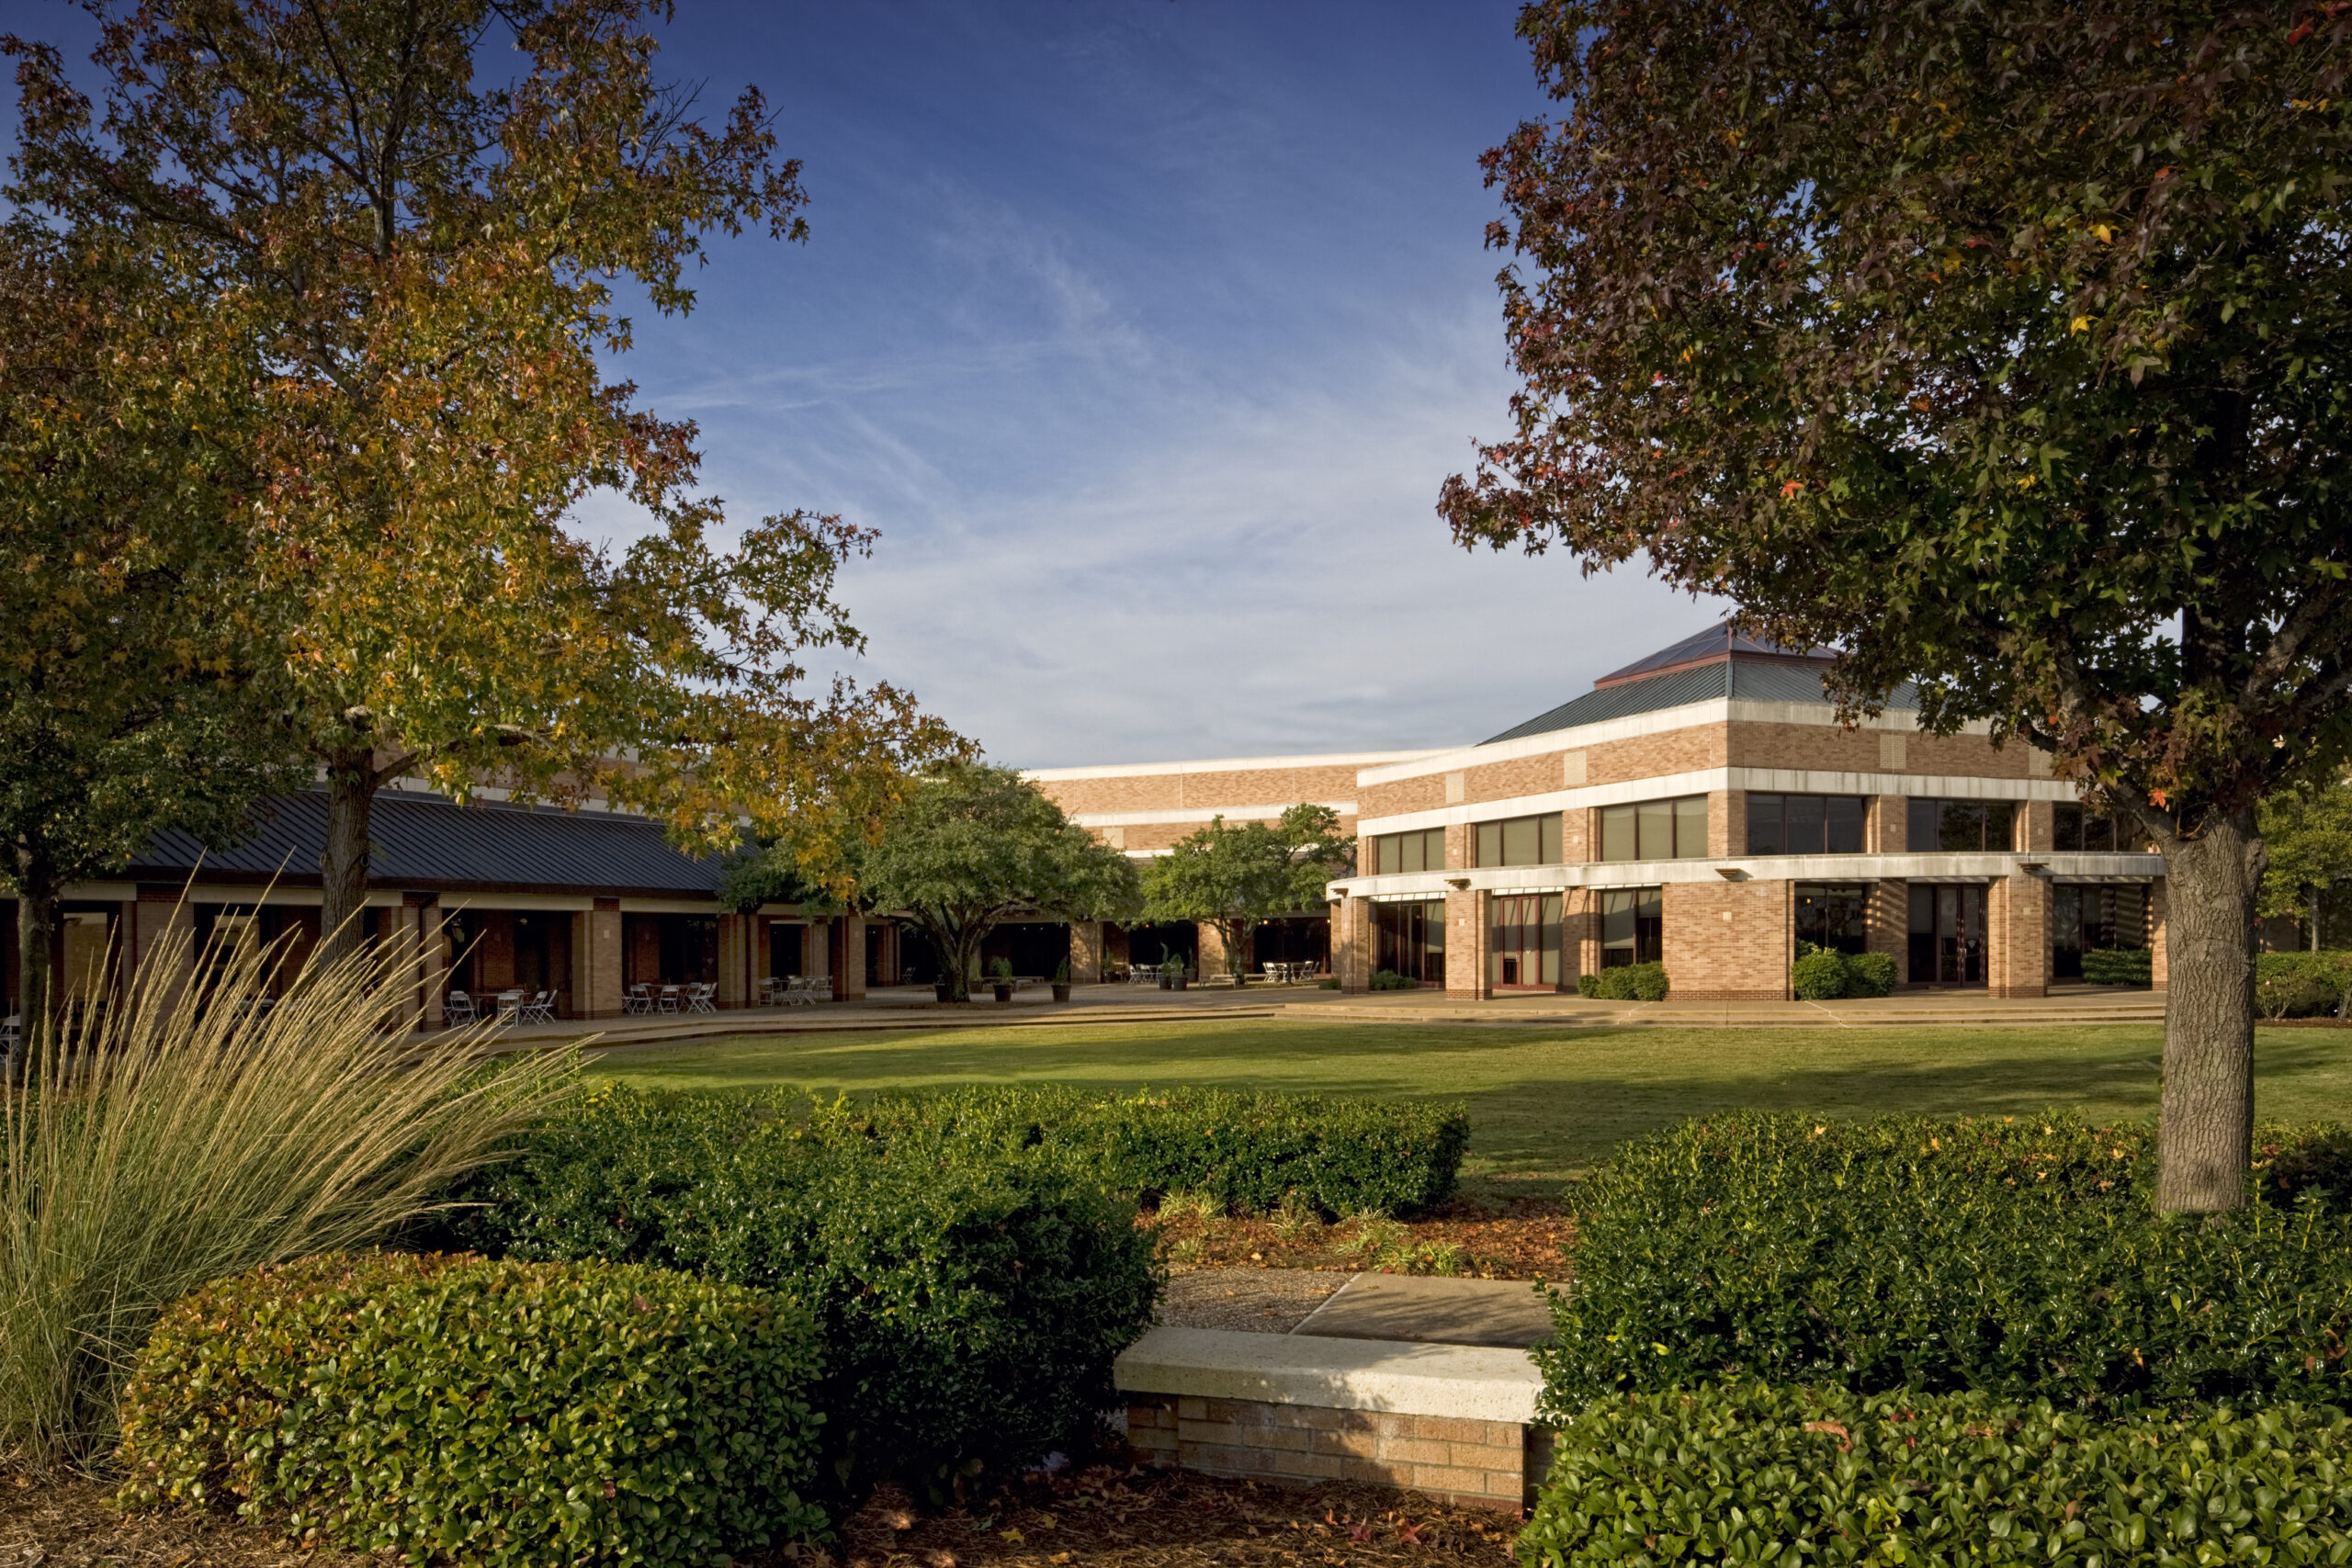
(177, 1136)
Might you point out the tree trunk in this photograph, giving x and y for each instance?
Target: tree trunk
(2205, 1130)
(343, 868)
(36, 937)
(959, 956)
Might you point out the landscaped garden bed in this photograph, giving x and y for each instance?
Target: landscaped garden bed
(1476, 1237)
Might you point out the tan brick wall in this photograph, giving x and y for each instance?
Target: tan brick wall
(2159, 959)
(1351, 943)
(1085, 952)
(1469, 937)
(1426, 793)
(1821, 746)
(601, 953)
(1886, 924)
(2016, 930)
(1202, 790)
(1744, 958)
(1890, 827)
(1479, 1463)
(1653, 756)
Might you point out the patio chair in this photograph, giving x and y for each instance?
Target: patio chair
(540, 1009)
(770, 991)
(459, 1011)
(638, 999)
(668, 999)
(11, 1037)
(698, 996)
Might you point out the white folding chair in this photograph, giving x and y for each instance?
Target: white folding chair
(459, 1011)
(698, 997)
(636, 999)
(540, 1009)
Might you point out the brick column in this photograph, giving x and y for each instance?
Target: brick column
(1212, 950)
(1893, 813)
(848, 985)
(433, 961)
(162, 917)
(596, 960)
(1886, 924)
(1469, 942)
(1085, 953)
(2159, 960)
(2016, 919)
(1351, 943)
(734, 961)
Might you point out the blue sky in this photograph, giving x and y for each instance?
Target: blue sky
(1145, 331)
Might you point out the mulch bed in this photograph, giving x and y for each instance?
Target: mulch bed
(1101, 1516)
(1514, 1239)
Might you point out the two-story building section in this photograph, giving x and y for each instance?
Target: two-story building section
(1703, 806)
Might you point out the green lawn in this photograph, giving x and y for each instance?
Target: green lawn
(1543, 1102)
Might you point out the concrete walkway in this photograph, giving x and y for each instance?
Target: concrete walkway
(913, 1007)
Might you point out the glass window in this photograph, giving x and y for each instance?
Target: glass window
(1526, 945)
(1424, 850)
(1805, 824)
(1833, 914)
(2077, 828)
(1408, 938)
(1632, 926)
(1961, 827)
(1521, 841)
(1655, 829)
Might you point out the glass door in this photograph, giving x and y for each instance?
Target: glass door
(1527, 941)
(1948, 935)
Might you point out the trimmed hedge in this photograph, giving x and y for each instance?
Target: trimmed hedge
(1780, 1475)
(1625, 983)
(972, 1295)
(2303, 985)
(2020, 1258)
(1249, 1151)
(487, 1413)
(1824, 975)
(2118, 966)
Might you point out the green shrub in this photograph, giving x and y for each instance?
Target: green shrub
(1626, 983)
(2118, 966)
(1870, 974)
(489, 1413)
(1782, 1475)
(2019, 1258)
(1250, 1151)
(2303, 984)
(1819, 976)
(1389, 980)
(972, 1295)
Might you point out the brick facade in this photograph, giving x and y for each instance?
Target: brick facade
(1465, 1463)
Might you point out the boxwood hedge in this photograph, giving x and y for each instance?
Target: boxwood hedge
(2019, 1257)
(1247, 1151)
(972, 1291)
(455, 1408)
(1625, 983)
(1758, 1474)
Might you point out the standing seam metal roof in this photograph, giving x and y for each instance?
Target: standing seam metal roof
(1748, 680)
(426, 841)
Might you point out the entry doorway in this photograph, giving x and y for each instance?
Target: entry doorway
(1527, 941)
(1948, 934)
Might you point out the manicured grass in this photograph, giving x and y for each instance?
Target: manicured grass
(1543, 1102)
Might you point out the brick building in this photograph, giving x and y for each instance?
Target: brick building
(1703, 806)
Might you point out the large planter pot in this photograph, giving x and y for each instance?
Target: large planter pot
(1061, 990)
(1004, 990)
(941, 989)
(1180, 982)
(1168, 982)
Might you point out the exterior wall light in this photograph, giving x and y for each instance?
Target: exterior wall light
(1730, 874)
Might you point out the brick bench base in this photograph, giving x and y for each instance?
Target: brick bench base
(1455, 1422)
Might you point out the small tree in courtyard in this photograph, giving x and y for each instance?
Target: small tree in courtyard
(2004, 347)
(2307, 833)
(1238, 878)
(969, 847)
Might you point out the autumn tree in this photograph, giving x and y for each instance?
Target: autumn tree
(1238, 879)
(970, 847)
(2003, 347)
(412, 220)
(127, 699)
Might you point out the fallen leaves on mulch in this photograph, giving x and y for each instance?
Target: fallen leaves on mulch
(72, 1522)
(1110, 1517)
(1103, 1517)
(1519, 1239)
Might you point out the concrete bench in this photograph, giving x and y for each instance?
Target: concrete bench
(1455, 1421)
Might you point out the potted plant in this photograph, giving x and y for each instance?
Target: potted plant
(1000, 979)
(1062, 981)
(942, 986)
(1171, 973)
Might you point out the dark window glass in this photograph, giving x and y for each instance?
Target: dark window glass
(1804, 825)
(1833, 914)
(1764, 813)
(1522, 841)
(2066, 828)
(2000, 824)
(1526, 945)
(1424, 850)
(1655, 829)
(1924, 831)
(1408, 938)
(1631, 926)
(1654, 820)
(1490, 844)
(1844, 828)
(1553, 854)
(1959, 825)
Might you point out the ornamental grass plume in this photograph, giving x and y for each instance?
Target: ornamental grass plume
(179, 1132)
